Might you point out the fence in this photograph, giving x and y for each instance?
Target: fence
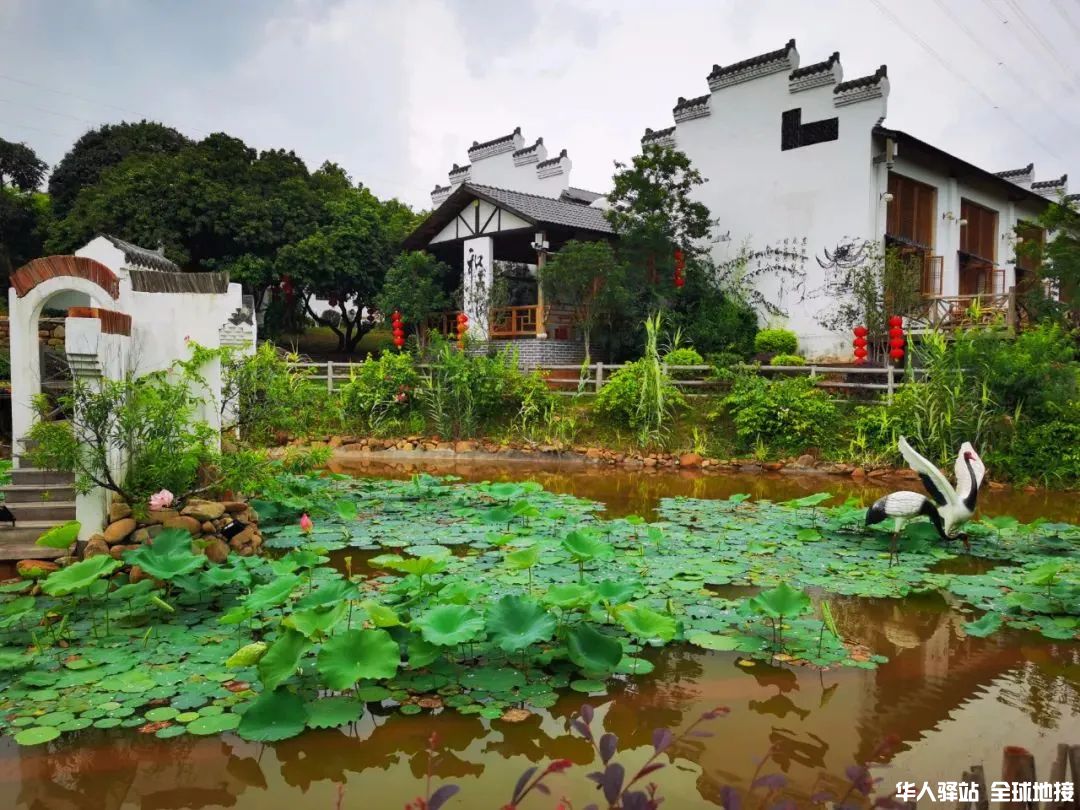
(690, 379)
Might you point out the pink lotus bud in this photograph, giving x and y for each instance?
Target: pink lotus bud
(305, 523)
(161, 500)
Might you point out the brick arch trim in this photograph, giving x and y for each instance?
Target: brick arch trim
(37, 271)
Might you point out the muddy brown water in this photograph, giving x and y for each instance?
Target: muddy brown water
(950, 700)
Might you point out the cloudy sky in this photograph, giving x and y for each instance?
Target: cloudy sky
(396, 90)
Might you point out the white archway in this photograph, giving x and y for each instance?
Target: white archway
(24, 313)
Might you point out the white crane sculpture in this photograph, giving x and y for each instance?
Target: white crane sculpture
(948, 508)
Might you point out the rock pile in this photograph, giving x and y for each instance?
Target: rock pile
(203, 520)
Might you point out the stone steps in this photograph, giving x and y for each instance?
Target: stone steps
(32, 493)
(39, 500)
(20, 543)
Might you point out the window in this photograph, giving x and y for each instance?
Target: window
(979, 236)
(1028, 252)
(910, 215)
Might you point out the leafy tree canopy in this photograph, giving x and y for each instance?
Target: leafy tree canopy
(588, 277)
(415, 286)
(102, 148)
(20, 167)
(345, 259)
(1060, 259)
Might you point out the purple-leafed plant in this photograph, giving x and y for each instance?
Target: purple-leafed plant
(432, 801)
(859, 790)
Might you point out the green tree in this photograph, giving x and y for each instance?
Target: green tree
(1060, 263)
(415, 286)
(24, 211)
(104, 147)
(345, 259)
(588, 277)
(20, 167)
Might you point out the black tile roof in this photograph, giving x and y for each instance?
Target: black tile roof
(579, 195)
(1016, 172)
(476, 146)
(459, 169)
(1051, 183)
(439, 189)
(653, 134)
(817, 67)
(533, 208)
(551, 161)
(761, 59)
(1072, 198)
(690, 102)
(143, 257)
(527, 149)
(862, 81)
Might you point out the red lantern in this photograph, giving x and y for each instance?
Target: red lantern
(860, 352)
(897, 342)
(861, 331)
(860, 342)
(896, 354)
(680, 281)
(896, 320)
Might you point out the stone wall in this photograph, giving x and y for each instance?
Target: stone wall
(50, 333)
(537, 353)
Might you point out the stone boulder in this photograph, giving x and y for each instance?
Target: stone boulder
(204, 510)
(193, 526)
(96, 548)
(216, 550)
(119, 530)
(118, 511)
(161, 515)
(34, 569)
(690, 460)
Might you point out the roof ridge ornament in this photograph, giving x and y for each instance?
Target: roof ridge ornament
(785, 58)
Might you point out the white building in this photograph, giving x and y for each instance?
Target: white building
(796, 155)
(797, 160)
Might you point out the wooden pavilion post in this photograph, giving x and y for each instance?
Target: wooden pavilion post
(541, 259)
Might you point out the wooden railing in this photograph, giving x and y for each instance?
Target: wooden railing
(963, 311)
(691, 380)
(512, 322)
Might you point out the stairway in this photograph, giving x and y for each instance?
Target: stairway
(39, 500)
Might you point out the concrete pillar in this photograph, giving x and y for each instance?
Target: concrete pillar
(479, 255)
(950, 242)
(541, 258)
(25, 369)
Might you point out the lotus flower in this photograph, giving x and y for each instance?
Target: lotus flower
(305, 523)
(161, 500)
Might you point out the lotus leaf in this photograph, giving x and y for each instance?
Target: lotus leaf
(317, 621)
(781, 601)
(647, 624)
(61, 536)
(214, 724)
(79, 576)
(354, 654)
(282, 658)
(447, 625)
(248, 655)
(274, 715)
(515, 623)
(333, 712)
(166, 556)
(591, 650)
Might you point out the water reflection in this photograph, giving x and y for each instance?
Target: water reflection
(630, 491)
(950, 700)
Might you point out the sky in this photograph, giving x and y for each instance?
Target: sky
(396, 90)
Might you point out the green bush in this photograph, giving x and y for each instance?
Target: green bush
(382, 394)
(776, 341)
(1048, 452)
(712, 321)
(465, 393)
(684, 356)
(788, 415)
(620, 400)
(787, 360)
(267, 395)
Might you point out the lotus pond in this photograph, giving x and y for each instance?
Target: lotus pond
(489, 612)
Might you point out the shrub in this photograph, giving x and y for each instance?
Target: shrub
(265, 395)
(382, 393)
(465, 393)
(714, 321)
(776, 341)
(789, 415)
(684, 356)
(1048, 452)
(787, 360)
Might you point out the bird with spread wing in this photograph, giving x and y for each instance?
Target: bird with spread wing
(948, 508)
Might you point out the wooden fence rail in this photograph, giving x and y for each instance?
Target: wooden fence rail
(573, 379)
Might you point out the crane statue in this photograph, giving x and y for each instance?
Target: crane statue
(947, 507)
